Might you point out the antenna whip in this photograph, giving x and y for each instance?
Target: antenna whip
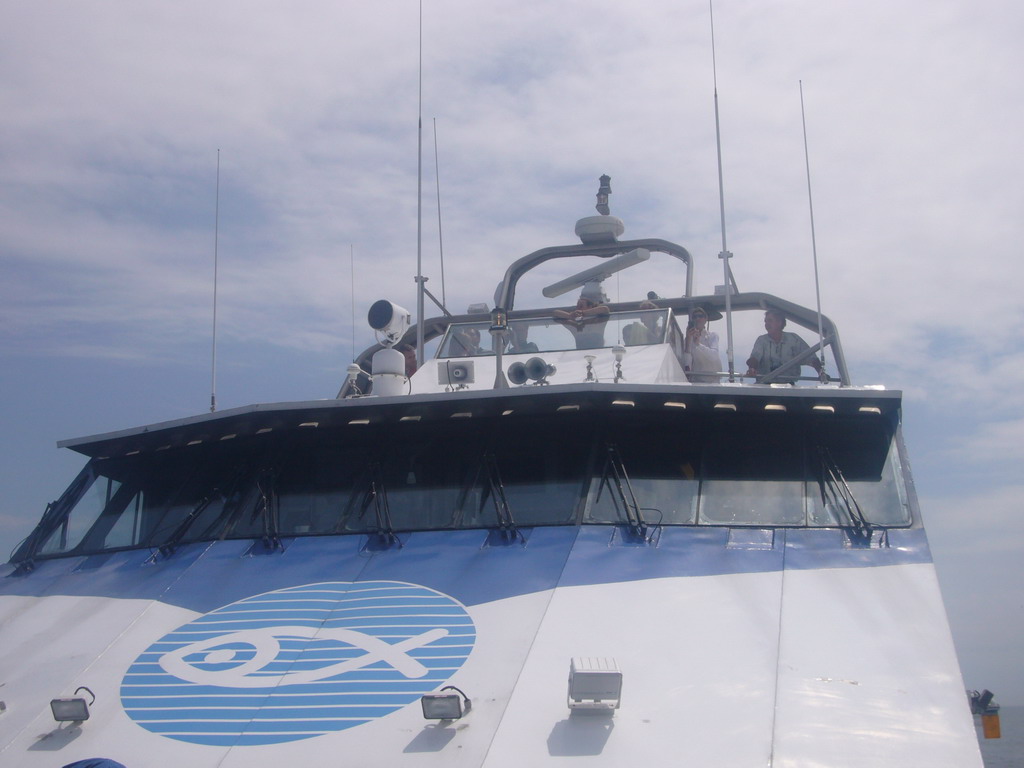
(724, 255)
(814, 245)
(419, 205)
(440, 238)
(352, 294)
(216, 238)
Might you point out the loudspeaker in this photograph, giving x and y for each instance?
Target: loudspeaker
(537, 369)
(517, 373)
(451, 374)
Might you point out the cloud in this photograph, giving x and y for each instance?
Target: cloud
(976, 539)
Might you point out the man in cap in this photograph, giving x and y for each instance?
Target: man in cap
(588, 320)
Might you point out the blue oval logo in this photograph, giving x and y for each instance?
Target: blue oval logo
(298, 662)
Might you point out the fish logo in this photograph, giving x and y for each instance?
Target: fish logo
(298, 662)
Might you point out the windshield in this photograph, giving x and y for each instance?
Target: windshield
(658, 468)
(551, 334)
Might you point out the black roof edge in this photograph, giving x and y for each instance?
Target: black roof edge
(253, 420)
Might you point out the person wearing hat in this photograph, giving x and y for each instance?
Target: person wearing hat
(588, 320)
(701, 358)
(777, 347)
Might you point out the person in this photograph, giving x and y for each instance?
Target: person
(409, 353)
(646, 330)
(777, 347)
(700, 352)
(588, 320)
(466, 342)
(519, 343)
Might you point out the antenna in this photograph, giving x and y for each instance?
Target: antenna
(724, 255)
(440, 239)
(814, 245)
(216, 238)
(419, 205)
(352, 294)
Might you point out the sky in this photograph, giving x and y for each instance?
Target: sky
(115, 115)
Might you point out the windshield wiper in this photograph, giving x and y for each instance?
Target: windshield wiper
(496, 489)
(167, 548)
(614, 476)
(266, 507)
(372, 480)
(378, 495)
(837, 492)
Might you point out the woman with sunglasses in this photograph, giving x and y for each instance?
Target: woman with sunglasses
(703, 362)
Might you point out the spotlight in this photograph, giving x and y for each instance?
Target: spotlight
(594, 684)
(73, 710)
(389, 319)
(445, 706)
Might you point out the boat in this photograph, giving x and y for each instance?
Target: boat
(986, 709)
(554, 540)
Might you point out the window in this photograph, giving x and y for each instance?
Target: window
(858, 463)
(662, 474)
(753, 474)
(84, 513)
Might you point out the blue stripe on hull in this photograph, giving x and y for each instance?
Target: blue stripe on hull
(203, 577)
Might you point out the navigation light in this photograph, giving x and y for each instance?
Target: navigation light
(602, 194)
(620, 352)
(499, 320)
(499, 330)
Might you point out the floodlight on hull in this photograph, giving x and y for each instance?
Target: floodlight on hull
(594, 683)
(72, 710)
(445, 706)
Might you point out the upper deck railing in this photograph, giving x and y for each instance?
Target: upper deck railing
(547, 334)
